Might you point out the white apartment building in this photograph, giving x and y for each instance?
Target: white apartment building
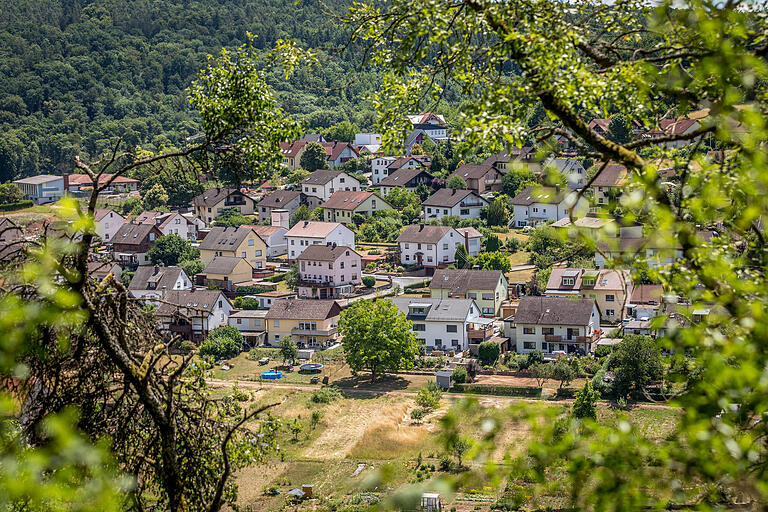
(306, 233)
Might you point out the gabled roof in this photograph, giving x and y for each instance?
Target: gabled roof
(100, 213)
(401, 161)
(313, 229)
(160, 218)
(460, 281)
(134, 234)
(214, 196)
(422, 233)
(605, 279)
(676, 126)
(312, 137)
(85, 180)
(189, 303)
(402, 177)
(265, 231)
(292, 149)
(333, 150)
(564, 165)
(303, 309)
(646, 294)
(160, 276)
(222, 265)
(468, 171)
(222, 238)
(470, 231)
(449, 197)
(320, 252)
(321, 177)
(439, 310)
(554, 311)
(349, 200)
(614, 175)
(603, 124)
(544, 195)
(426, 117)
(513, 153)
(279, 198)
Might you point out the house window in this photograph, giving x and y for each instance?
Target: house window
(487, 296)
(438, 343)
(239, 320)
(151, 237)
(251, 243)
(221, 304)
(609, 298)
(292, 242)
(464, 211)
(445, 212)
(407, 246)
(529, 345)
(535, 210)
(258, 253)
(341, 180)
(419, 327)
(529, 330)
(568, 281)
(473, 295)
(407, 257)
(242, 254)
(547, 331)
(275, 323)
(429, 259)
(451, 328)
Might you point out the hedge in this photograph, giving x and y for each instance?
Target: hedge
(565, 393)
(7, 207)
(490, 389)
(416, 286)
(251, 290)
(275, 278)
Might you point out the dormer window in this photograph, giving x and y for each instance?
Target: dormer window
(568, 281)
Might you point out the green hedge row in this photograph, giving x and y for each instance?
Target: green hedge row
(490, 389)
(7, 207)
(275, 278)
(417, 286)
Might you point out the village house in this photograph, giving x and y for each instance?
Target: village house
(383, 166)
(554, 325)
(328, 272)
(488, 288)
(370, 142)
(225, 273)
(450, 201)
(274, 237)
(153, 282)
(306, 233)
(572, 169)
(645, 301)
(336, 153)
(107, 223)
(432, 125)
(428, 246)
(343, 205)
(169, 223)
(132, 241)
(279, 200)
(480, 179)
(379, 168)
(676, 127)
(213, 201)
(98, 270)
(239, 242)
(75, 183)
(445, 324)
(610, 289)
(192, 314)
(319, 186)
(603, 127)
(472, 240)
(292, 152)
(252, 324)
(522, 156)
(409, 179)
(42, 189)
(266, 299)
(537, 205)
(656, 249)
(310, 323)
(606, 187)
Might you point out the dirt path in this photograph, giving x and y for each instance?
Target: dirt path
(487, 400)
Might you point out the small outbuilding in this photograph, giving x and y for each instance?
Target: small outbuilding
(430, 501)
(444, 379)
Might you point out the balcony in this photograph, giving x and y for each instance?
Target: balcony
(482, 333)
(471, 204)
(314, 332)
(551, 338)
(586, 339)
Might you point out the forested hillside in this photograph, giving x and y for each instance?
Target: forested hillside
(75, 73)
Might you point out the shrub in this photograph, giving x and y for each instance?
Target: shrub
(535, 357)
(250, 290)
(369, 281)
(239, 394)
(603, 351)
(417, 414)
(459, 375)
(429, 396)
(222, 343)
(246, 303)
(16, 206)
(490, 389)
(584, 405)
(374, 252)
(325, 395)
(488, 353)
(187, 346)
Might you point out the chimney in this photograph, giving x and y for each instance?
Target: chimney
(157, 269)
(466, 241)
(281, 218)
(306, 223)
(164, 290)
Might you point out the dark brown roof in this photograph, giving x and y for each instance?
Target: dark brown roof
(321, 177)
(402, 177)
(421, 233)
(189, 303)
(227, 238)
(676, 126)
(468, 171)
(222, 265)
(449, 197)
(554, 311)
(401, 161)
(134, 234)
(460, 281)
(613, 175)
(214, 196)
(279, 198)
(326, 252)
(161, 276)
(291, 149)
(647, 293)
(303, 309)
(545, 195)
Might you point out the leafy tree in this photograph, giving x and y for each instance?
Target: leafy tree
(565, 369)
(492, 261)
(292, 277)
(422, 191)
(299, 214)
(488, 353)
(222, 343)
(512, 244)
(619, 129)
(517, 179)
(461, 256)
(10, 193)
(584, 402)
(458, 448)
(497, 213)
(401, 198)
(376, 336)
(547, 242)
(492, 243)
(344, 131)
(636, 362)
(417, 149)
(296, 175)
(428, 399)
(459, 375)
(231, 217)
(172, 249)
(369, 281)
(192, 267)
(313, 157)
(247, 303)
(296, 427)
(132, 206)
(456, 182)
(288, 349)
(155, 197)
(541, 372)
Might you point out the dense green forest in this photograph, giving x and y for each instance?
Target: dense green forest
(76, 73)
